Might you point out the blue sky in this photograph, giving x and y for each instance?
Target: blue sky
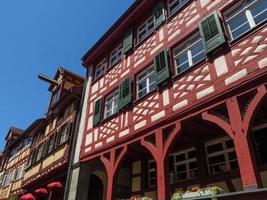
(37, 36)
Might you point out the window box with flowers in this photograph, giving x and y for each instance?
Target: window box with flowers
(196, 193)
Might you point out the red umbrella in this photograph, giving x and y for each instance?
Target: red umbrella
(41, 191)
(55, 185)
(28, 196)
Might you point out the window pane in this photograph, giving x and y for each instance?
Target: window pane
(180, 168)
(180, 157)
(192, 165)
(182, 176)
(215, 148)
(216, 159)
(192, 154)
(182, 62)
(146, 82)
(218, 169)
(193, 173)
(241, 30)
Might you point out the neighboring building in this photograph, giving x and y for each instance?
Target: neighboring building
(47, 167)
(13, 161)
(176, 97)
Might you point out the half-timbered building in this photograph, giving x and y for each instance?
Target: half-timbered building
(47, 167)
(13, 162)
(175, 98)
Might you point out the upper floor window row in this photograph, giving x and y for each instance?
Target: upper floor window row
(244, 16)
(49, 145)
(241, 18)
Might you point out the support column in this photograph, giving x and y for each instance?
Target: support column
(111, 164)
(159, 151)
(245, 160)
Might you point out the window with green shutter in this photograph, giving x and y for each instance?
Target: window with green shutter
(125, 93)
(161, 65)
(212, 32)
(97, 111)
(128, 41)
(159, 14)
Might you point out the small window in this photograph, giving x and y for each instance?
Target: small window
(145, 29)
(40, 151)
(111, 104)
(55, 97)
(244, 16)
(175, 5)
(146, 82)
(189, 54)
(100, 69)
(115, 55)
(185, 165)
(221, 156)
(51, 143)
(64, 134)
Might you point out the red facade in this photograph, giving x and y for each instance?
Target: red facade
(220, 96)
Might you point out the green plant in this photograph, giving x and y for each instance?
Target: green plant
(214, 191)
(146, 198)
(177, 196)
(12, 198)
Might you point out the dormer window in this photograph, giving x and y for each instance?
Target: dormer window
(115, 55)
(55, 97)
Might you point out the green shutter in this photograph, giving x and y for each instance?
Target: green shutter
(128, 41)
(159, 14)
(212, 32)
(97, 111)
(161, 65)
(125, 93)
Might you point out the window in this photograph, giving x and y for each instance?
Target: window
(111, 104)
(52, 142)
(189, 54)
(244, 16)
(115, 55)
(145, 29)
(185, 164)
(221, 156)
(64, 134)
(152, 173)
(55, 97)
(100, 69)
(30, 160)
(40, 151)
(146, 82)
(175, 5)
(260, 141)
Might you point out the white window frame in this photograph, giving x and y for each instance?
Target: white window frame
(187, 161)
(100, 67)
(145, 27)
(116, 54)
(40, 151)
(171, 4)
(185, 47)
(64, 136)
(250, 19)
(114, 105)
(146, 79)
(224, 152)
